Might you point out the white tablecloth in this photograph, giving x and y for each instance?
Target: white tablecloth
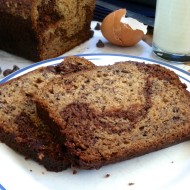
(142, 49)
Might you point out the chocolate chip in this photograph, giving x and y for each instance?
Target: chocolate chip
(51, 68)
(176, 118)
(175, 109)
(97, 27)
(7, 72)
(100, 44)
(107, 175)
(15, 68)
(74, 172)
(91, 33)
(131, 183)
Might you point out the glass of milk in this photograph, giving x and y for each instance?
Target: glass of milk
(171, 38)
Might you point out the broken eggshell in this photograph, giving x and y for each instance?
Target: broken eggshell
(122, 31)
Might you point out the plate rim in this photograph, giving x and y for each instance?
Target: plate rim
(1, 187)
(10, 76)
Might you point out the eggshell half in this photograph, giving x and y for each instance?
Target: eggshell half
(120, 33)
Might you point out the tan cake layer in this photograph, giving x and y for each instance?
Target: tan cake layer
(116, 112)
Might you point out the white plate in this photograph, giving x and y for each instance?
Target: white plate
(167, 169)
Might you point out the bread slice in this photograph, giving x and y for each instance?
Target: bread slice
(41, 29)
(116, 112)
(20, 127)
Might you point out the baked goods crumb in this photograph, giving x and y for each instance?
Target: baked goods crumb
(97, 27)
(74, 172)
(131, 183)
(107, 175)
(100, 44)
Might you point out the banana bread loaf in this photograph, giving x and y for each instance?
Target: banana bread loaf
(41, 29)
(116, 112)
(21, 128)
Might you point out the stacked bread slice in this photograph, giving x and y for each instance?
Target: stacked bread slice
(20, 126)
(116, 112)
(92, 116)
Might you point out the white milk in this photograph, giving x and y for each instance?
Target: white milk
(172, 26)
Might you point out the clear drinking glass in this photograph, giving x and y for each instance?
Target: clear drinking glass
(171, 38)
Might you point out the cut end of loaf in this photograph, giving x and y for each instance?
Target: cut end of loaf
(41, 29)
(62, 25)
